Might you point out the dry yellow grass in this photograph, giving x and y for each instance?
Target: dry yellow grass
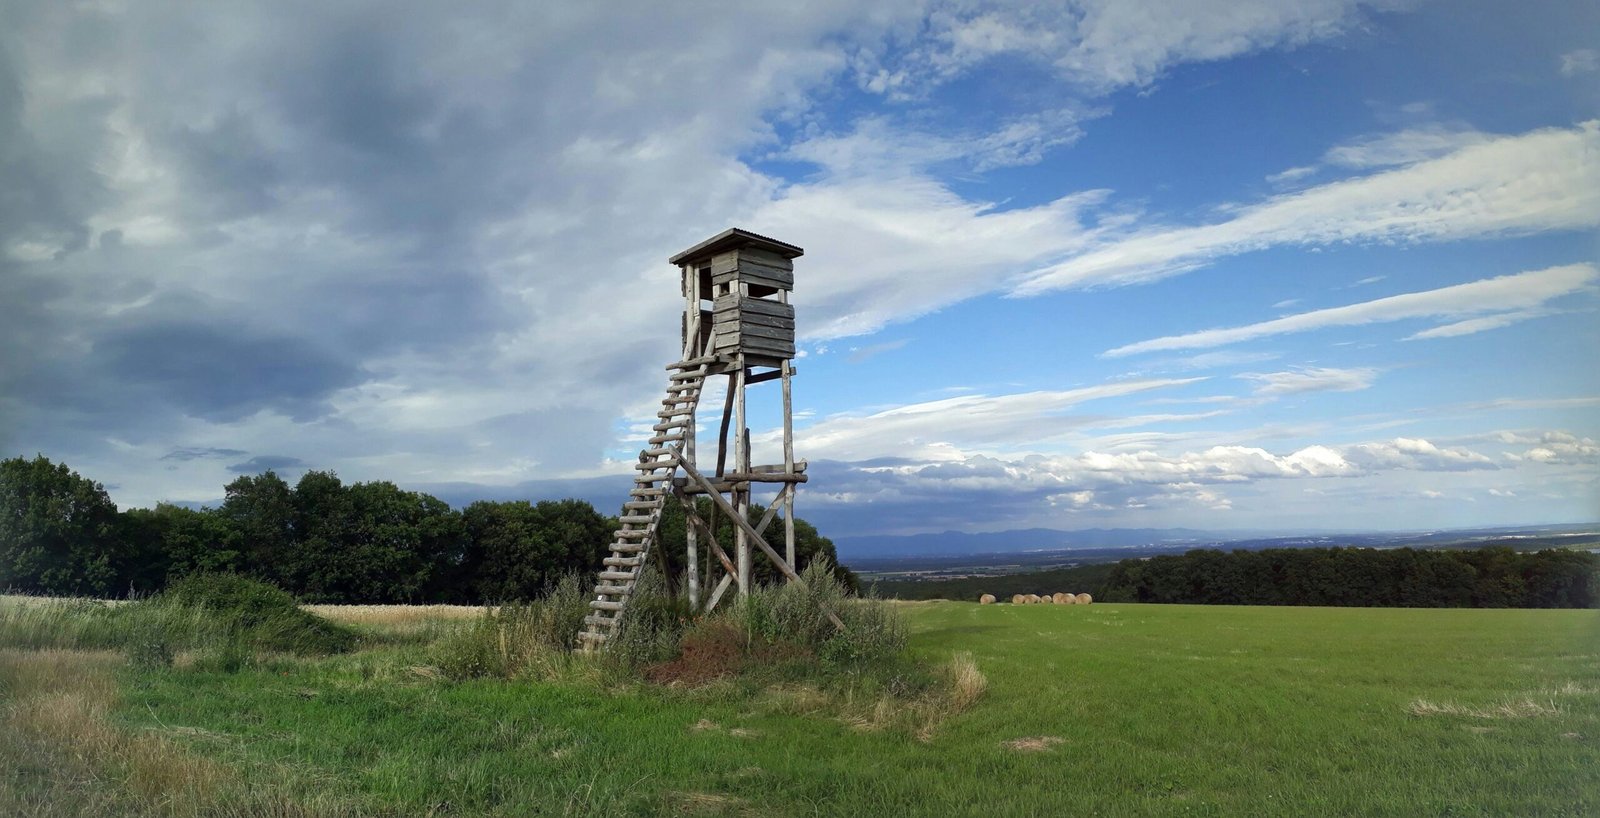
(395, 615)
(967, 682)
(1032, 744)
(1512, 708)
(64, 698)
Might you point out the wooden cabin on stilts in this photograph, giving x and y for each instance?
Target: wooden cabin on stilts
(738, 324)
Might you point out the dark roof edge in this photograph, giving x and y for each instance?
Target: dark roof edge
(735, 237)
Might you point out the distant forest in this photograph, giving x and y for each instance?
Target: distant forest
(1489, 577)
(321, 539)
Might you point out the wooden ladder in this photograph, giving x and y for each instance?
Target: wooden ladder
(641, 515)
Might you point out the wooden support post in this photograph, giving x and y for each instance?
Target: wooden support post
(722, 435)
(741, 496)
(691, 276)
(788, 461)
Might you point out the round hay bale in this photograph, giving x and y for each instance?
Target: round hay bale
(1068, 599)
(1018, 599)
(1084, 599)
(1033, 599)
(986, 599)
(1060, 598)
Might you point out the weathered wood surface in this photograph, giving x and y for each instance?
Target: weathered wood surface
(745, 305)
(732, 259)
(730, 238)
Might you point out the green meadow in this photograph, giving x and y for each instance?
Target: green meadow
(1105, 709)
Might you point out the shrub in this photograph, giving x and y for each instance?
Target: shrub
(258, 614)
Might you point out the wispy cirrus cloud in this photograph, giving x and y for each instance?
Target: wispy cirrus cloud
(1508, 294)
(942, 428)
(1310, 379)
(1543, 180)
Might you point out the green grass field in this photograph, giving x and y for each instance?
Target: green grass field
(1090, 710)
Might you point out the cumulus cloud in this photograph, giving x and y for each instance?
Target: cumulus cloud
(1508, 295)
(1563, 448)
(915, 493)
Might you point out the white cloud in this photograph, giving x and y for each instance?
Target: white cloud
(1503, 186)
(1404, 147)
(1563, 448)
(1509, 293)
(1476, 325)
(939, 429)
(1580, 61)
(1292, 175)
(1310, 379)
(1094, 44)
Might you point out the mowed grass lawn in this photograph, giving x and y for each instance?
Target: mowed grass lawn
(1090, 710)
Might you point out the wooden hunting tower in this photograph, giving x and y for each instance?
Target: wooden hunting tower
(737, 323)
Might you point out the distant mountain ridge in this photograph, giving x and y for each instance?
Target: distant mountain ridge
(1021, 541)
(1024, 539)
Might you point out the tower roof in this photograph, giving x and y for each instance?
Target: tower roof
(733, 238)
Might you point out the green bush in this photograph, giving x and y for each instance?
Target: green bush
(259, 615)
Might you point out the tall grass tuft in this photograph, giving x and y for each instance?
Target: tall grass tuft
(533, 638)
(797, 614)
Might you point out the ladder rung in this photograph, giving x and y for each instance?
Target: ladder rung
(627, 576)
(655, 452)
(627, 547)
(607, 605)
(624, 562)
(670, 425)
(597, 620)
(633, 533)
(637, 518)
(653, 478)
(689, 375)
(667, 438)
(669, 463)
(641, 504)
(613, 590)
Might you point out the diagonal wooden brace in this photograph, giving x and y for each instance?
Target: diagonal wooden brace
(752, 533)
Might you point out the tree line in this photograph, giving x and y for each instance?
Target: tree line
(1491, 577)
(321, 539)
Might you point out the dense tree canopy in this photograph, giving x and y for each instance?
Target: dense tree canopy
(321, 539)
(57, 530)
(1495, 577)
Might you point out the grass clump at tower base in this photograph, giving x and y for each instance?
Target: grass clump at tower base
(779, 638)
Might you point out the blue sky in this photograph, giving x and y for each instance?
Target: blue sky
(1294, 264)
